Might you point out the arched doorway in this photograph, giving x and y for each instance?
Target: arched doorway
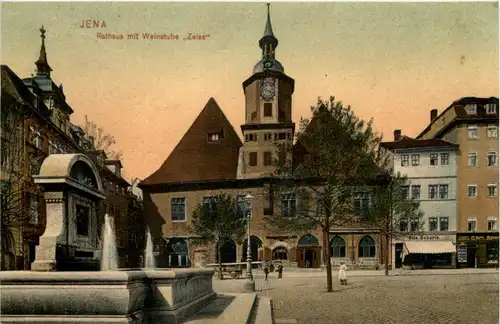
(366, 247)
(227, 252)
(255, 244)
(337, 247)
(280, 253)
(308, 252)
(177, 253)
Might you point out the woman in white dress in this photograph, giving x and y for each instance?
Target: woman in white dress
(342, 274)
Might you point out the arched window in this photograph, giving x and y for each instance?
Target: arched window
(308, 240)
(366, 247)
(280, 253)
(177, 251)
(337, 247)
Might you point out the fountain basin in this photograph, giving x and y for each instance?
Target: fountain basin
(124, 296)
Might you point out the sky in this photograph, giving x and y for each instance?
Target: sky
(392, 62)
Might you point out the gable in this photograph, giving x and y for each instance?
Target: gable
(208, 151)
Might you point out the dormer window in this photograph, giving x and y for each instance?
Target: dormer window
(471, 109)
(214, 137)
(490, 108)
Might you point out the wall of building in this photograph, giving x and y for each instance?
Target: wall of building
(481, 207)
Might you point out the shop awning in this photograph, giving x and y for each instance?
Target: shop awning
(430, 247)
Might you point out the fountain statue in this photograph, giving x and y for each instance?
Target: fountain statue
(149, 259)
(109, 258)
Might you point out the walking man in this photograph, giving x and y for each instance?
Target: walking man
(280, 271)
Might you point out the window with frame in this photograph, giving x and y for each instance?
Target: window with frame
(209, 204)
(366, 247)
(178, 208)
(268, 158)
(433, 159)
(492, 158)
(444, 224)
(250, 137)
(490, 108)
(415, 192)
(433, 191)
(492, 131)
(338, 247)
(361, 203)
(443, 191)
(405, 192)
(415, 159)
(268, 109)
(492, 190)
(471, 109)
(492, 252)
(471, 190)
(414, 225)
(214, 137)
(252, 158)
(472, 132)
(471, 225)
(281, 136)
(268, 137)
(405, 161)
(403, 225)
(445, 158)
(492, 224)
(288, 204)
(433, 222)
(472, 160)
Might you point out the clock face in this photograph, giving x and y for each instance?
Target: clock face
(268, 64)
(267, 88)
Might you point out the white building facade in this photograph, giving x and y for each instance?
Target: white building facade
(430, 168)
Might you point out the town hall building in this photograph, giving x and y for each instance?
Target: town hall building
(211, 159)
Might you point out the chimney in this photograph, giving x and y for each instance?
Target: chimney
(397, 135)
(434, 114)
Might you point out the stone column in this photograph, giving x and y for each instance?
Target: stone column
(54, 235)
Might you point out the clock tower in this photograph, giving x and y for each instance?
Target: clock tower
(268, 111)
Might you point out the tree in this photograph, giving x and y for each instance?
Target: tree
(14, 180)
(101, 140)
(393, 212)
(335, 153)
(217, 221)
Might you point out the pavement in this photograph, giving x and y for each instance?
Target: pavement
(422, 296)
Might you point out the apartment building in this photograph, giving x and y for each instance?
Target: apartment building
(472, 123)
(430, 168)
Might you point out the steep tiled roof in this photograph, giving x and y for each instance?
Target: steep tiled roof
(408, 142)
(14, 86)
(195, 158)
(461, 114)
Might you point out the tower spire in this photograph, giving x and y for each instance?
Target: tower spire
(42, 66)
(268, 42)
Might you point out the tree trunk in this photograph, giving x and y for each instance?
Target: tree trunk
(387, 253)
(328, 264)
(220, 261)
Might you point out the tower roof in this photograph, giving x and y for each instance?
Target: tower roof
(198, 158)
(268, 37)
(42, 65)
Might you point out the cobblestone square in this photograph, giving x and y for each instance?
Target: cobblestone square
(450, 298)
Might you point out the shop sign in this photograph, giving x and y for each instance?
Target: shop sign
(484, 237)
(428, 237)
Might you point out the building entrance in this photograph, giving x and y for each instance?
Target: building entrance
(308, 252)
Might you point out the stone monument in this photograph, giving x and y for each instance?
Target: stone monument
(72, 189)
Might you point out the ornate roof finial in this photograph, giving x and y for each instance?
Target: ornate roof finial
(269, 28)
(42, 66)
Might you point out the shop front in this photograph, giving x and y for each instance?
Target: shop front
(424, 252)
(477, 250)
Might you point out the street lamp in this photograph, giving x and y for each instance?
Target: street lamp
(249, 285)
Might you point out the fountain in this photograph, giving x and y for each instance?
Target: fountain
(109, 258)
(53, 294)
(149, 259)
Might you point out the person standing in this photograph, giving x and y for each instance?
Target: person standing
(266, 270)
(280, 271)
(343, 274)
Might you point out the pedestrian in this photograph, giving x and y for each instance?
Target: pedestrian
(266, 270)
(342, 274)
(280, 271)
